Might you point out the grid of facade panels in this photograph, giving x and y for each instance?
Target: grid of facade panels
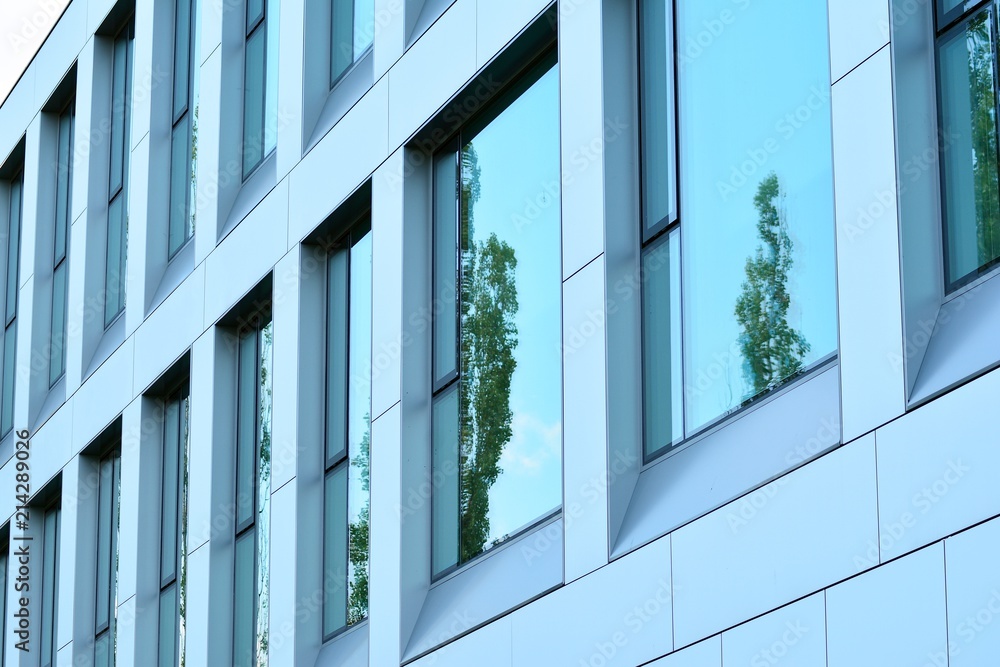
(589, 332)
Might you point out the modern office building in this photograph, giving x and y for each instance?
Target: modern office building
(496, 333)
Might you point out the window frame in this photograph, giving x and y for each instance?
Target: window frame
(60, 261)
(249, 528)
(108, 528)
(339, 461)
(335, 79)
(660, 233)
(48, 604)
(11, 298)
(171, 583)
(260, 24)
(118, 193)
(185, 114)
(533, 69)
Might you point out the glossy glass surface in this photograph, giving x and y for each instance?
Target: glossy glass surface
(756, 190)
(57, 359)
(337, 379)
(184, 137)
(262, 524)
(663, 403)
(64, 171)
(246, 436)
(114, 275)
(353, 28)
(8, 367)
(445, 296)
(968, 111)
(244, 602)
(253, 100)
(14, 210)
(121, 101)
(271, 79)
(445, 511)
(335, 551)
(659, 184)
(168, 630)
(173, 531)
(50, 587)
(510, 384)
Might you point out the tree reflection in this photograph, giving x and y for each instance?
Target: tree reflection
(488, 339)
(772, 350)
(984, 137)
(357, 534)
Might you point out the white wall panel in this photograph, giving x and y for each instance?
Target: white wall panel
(794, 636)
(973, 582)
(706, 654)
(858, 28)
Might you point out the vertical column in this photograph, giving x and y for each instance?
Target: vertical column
(77, 561)
(285, 316)
(868, 271)
(211, 165)
(584, 350)
(292, 47)
(387, 584)
(390, 31)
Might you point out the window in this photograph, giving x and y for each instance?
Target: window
(966, 54)
(348, 431)
(253, 495)
(60, 249)
(353, 29)
(108, 498)
(174, 530)
(50, 586)
(11, 278)
(738, 243)
(260, 83)
(497, 281)
(121, 121)
(184, 116)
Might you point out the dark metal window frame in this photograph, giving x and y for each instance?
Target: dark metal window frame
(179, 395)
(252, 26)
(533, 69)
(12, 270)
(659, 233)
(340, 459)
(59, 260)
(120, 190)
(183, 113)
(947, 24)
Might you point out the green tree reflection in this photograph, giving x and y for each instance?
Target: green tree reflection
(488, 339)
(357, 535)
(984, 137)
(772, 350)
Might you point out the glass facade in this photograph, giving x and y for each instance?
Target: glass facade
(497, 407)
(11, 276)
(253, 496)
(184, 119)
(121, 123)
(260, 83)
(172, 628)
(106, 615)
(747, 216)
(353, 29)
(348, 431)
(60, 249)
(967, 108)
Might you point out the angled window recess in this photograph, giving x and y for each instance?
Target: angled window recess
(735, 336)
(948, 191)
(45, 509)
(184, 124)
(12, 199)
(493, 383)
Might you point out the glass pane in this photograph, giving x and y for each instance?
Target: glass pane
(244, 603)
(444, 305)
(246, 428)
(168, 628)
(271, 79)
(658, 184)
(444, 504)
(114, 275)
(336, 379)
(758, 252)
(182, 53)
(180, 163)
(968, 121)
(255, 8)
(663, 408)
(360, 426)
(104, 547)
(57, 358)
(193, 117)
(168, 507)
(253, 102)
(103, 656)
(335, 551)
(13, 247)
(182, 589)
(263, 521)
(50, 585)
(118, 101)
(9, 364)
(364, 26)
(511, 303)
(63, 171)
(342, 46)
